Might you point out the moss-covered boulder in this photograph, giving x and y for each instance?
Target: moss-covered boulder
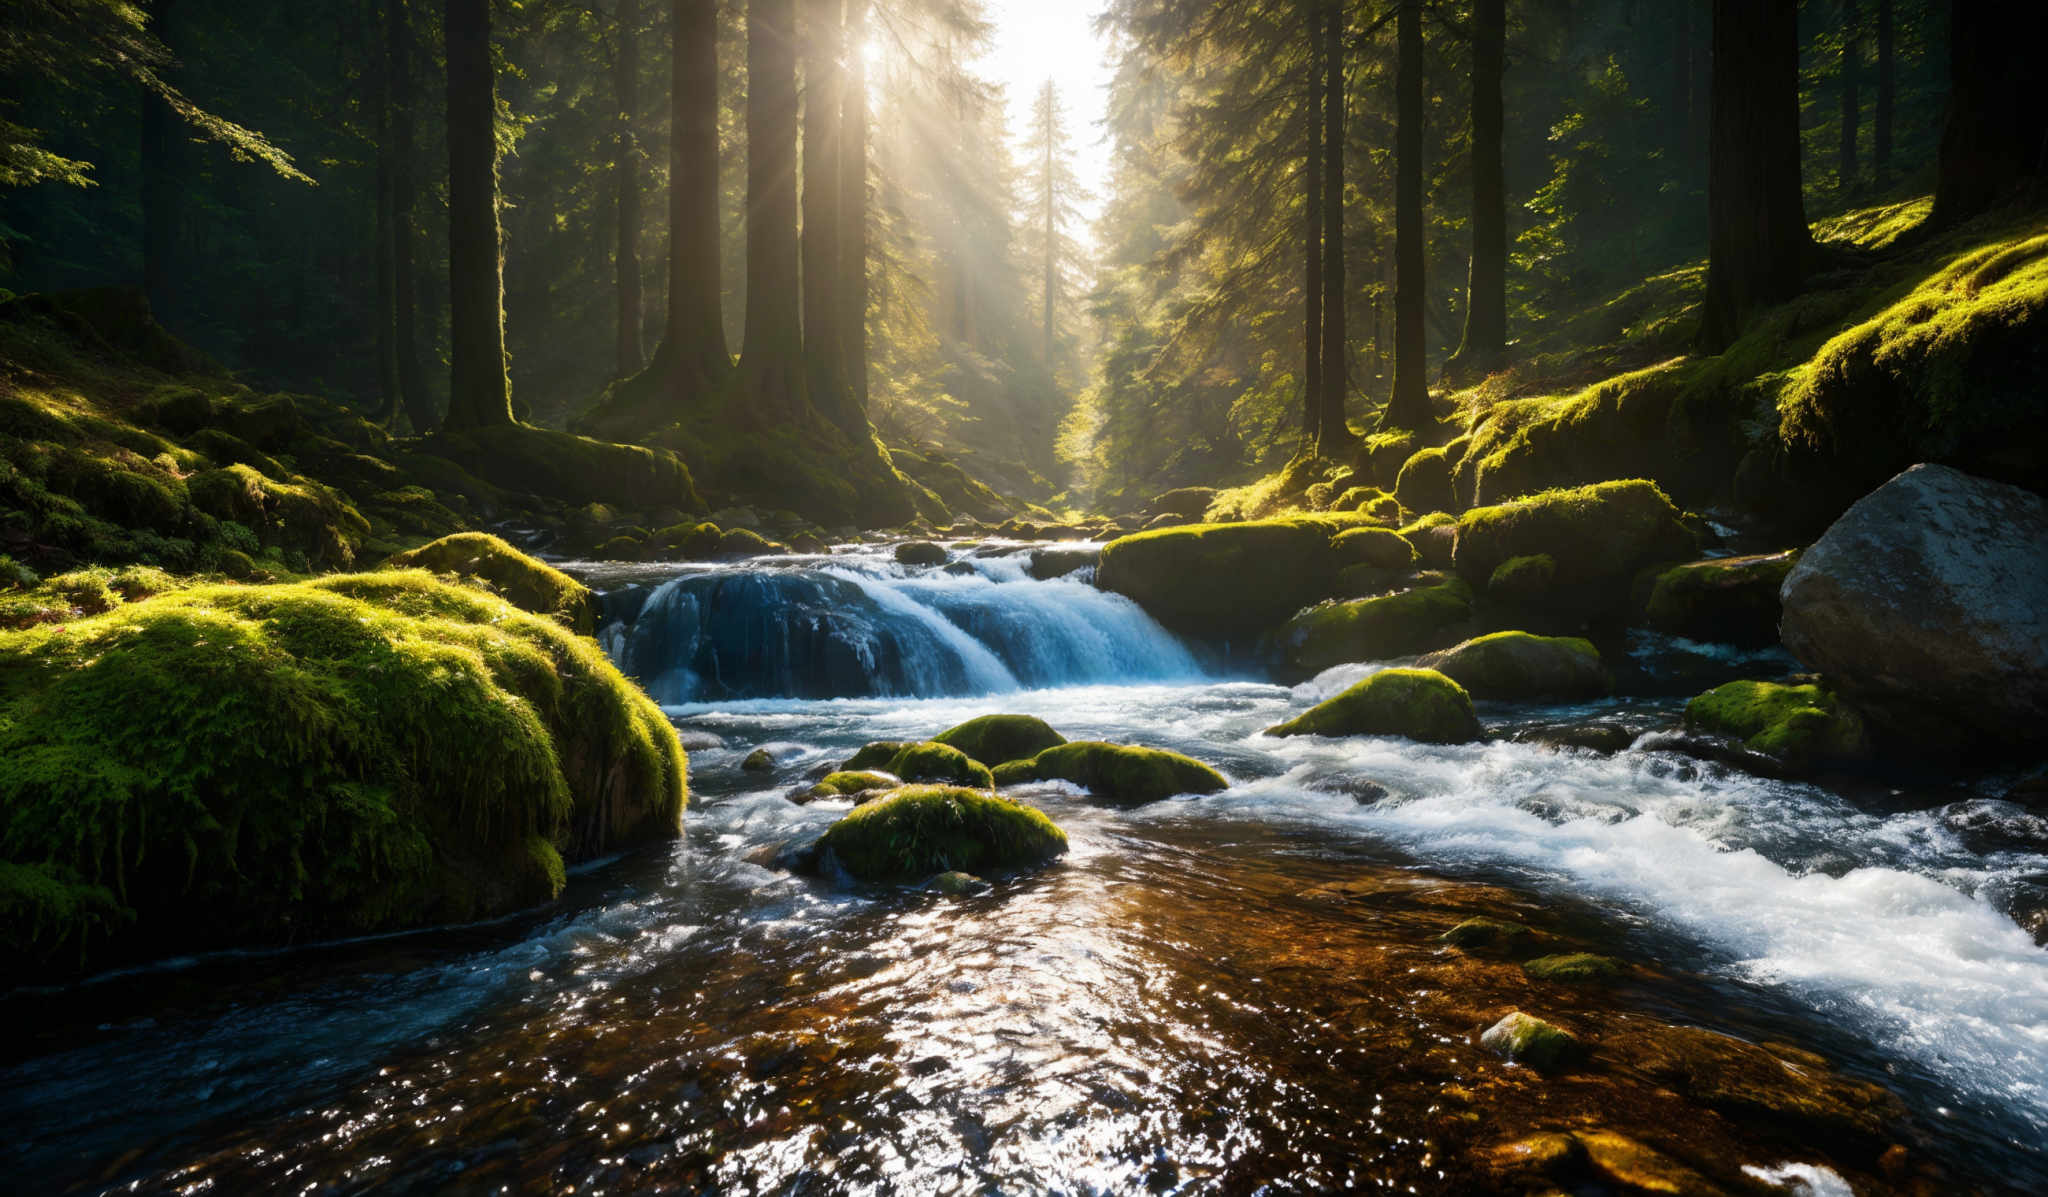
(1530, 1041)
(1517, 665)
(859, 785)
(527, 584)
(561, 466)
(999, 739)
(920, 553)
(1420, 704)
(1224, 581)
(234, 765)
(1376, 629)
(1483, 932)
(876, 754)
(1382, 548)
(1425, 482)
(921, 830)
(1733, 600)
(1119, 773)
(1801, 726)
(1523, 581)
(920, 761)
(1597, 538)
(1573, 968)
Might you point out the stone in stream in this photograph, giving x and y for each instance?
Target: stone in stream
(758, 761)
(1732, 600)
(1779, 1086)
(921, 761)
(1374, 629)
(1926, 603)
(1529, 1040)
(1517, 665)
(1797, 727)
(1572, 967)
(957, 884)
(1047, 564)
(1118, 773)
(917, 831)
(1420, 704)
(1482, 932)
(861, 786)
(920, 552)
(999, 739)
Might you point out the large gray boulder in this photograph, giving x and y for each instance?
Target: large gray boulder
(1926, 603)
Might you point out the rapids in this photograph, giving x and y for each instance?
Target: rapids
(1231, 993)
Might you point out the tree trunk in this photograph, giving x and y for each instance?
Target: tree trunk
(412, 384)
(626, 176)
(824, 101)
(1312, 208)
(694, 339)
(1881, 123)
(1486, 307)
(1852, 49)
(163, 187)
(1409, 405)
(1052, 264)
(479, 393)
(390, 386)
(1333, 435)
(772, 359)
(1992, 139)
(1757, 240)
(852, 289)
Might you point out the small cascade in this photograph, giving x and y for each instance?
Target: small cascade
(858, 626)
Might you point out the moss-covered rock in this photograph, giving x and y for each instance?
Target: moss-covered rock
(1573, 968)
(921, 830)
(253, 764)
(860, 785)
(758, 761)
(1425, 482)
(1596, 536)
(1530, 1041)
(1224, 581)
(1729, 599)
(1376, 629)
(1789, 1090)
(1801, 726)
(1382, 548)
(920, 553)
(999, 739)
(1523, 581)
(920, 761)
(1483, 932)
(566, 468)
(526, 583)
(1517, 665)
(876, 754)
(1120, 773)
(1420, 704)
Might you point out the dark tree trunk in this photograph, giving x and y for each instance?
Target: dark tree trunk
(1333, 435)
(1993, 140)
(390, 386)
(694, 339)
(479, 393)
(412, 383)
(1881, 122)
(1852, 50)
(824, 101)
(1050, 294)
(1757, 240)
(626, 184)
(1486, 308)
(163, 186)
(853, 215)
(1409, 406)
(1312, 208)
(772, 360)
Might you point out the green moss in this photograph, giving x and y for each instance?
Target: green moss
(299, 515)
(1375, 629)
(1573, 968)
(1598, 537)
(744, 542)
(1731, 599)
(999, 739)
(1801, 726)
(758, 761)
(1225, 581)
(1118, 773)
(921, 830)
(1529, 1040)
(1517, 665)
(1425, 482)
(243, 764)
(926, 761)
(571, 469)
(524, 582)
(1524, 580)
(874, 755)
(1420, 704)
(1381, 548)
(1484, 932)
(845, 784)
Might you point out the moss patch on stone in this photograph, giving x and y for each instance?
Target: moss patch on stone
(1801, 725)
(999, 739)
(1572, 968)
(1597, 537)
(526, 583)
(921, 830)
(1729, 599)
(1483, 932)
(921, 761)
(1531, 1041)
(1119, 773)
(1224, 581)
(849, 783)
(1375, 629)
(1524, 581)
(1517, 665)
(1382, 548)
(1420, 704)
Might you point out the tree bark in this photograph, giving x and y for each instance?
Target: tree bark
(626, 193)
(1486, 307)
(824, 101)
(693, 341)
(398, 52)
(1409, 406)
(1852, 50)
(1758, 245)
(1312, 208)
(479, 392)
(390, 386)
(852, 289)
(772, 358)
(1992, 140)
(1050, 294)
(1333, 435)
(162, 189)
(1881, 121)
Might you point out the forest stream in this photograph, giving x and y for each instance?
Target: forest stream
(1244, 992)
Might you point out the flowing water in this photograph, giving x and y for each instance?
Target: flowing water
(1242, 992)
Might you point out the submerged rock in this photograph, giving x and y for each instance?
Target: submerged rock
(1733, 600)
(1517, 665)
(527, 584)
(957, 884)
(1529, 1040)
(1572, 967)
(1927, 604)
(1376, 629)
(999, 739)
(1482, 932)
(1780, 1086)
(920, 552)
(917, 831)
(1118, 773)
(1800, 727)
(1420, 704)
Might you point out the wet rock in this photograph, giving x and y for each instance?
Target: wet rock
(1800, 727)
(875, 754)
(1517, 665)
(1419, 704)
(1926, 603)
(1526, 1039)
(1623, 1161)
(1224, 581)
(1118, 773)
(960, 569)
(925, 761)
(957, 884)
(1487, 933)
(920, 553)
(1604, 738)
(1597, 538)
(1378, 629)
(999, 739)
(1550, 1154)
(920, 830)
(1573, 968)
(860, 786)
(1732, 600)
(1779, 1086)
(1047, 564)
(758, 761)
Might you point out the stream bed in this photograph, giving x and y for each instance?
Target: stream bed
(1245, 992)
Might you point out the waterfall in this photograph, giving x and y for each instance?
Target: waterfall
(860, 626)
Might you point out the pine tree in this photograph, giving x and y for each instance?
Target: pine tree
(1486, 302)
(772, 364)
(824, 105)
(479, 392)
(1408, 408)
(1051, 193)
(626, 186)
